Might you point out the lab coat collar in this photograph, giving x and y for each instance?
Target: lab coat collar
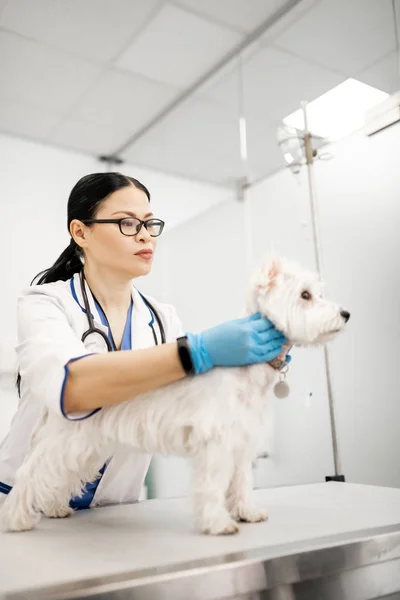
(142, 321)
(142, 317)
(76, 292)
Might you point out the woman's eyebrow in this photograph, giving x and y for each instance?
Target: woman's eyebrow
(131, 214)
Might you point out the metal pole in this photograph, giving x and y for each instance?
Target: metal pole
(310, 155)
(244, 180)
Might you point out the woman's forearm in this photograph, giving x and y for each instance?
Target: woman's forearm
(107, 379)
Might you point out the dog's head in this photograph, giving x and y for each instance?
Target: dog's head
(291, 298)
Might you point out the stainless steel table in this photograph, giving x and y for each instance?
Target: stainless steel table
(324, 541)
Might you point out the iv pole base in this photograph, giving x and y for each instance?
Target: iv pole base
(335, 478)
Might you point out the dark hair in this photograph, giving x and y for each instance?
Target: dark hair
(83, 203)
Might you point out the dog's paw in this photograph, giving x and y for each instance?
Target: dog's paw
(248, 514)
(17, 520)
(58, 511)
(228, 527)
(223, 525)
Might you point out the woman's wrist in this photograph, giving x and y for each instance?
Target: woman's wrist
(200, 358)
(185, 355)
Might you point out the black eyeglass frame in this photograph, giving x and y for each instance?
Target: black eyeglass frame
(119, 222)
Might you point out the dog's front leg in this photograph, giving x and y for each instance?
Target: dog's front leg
(213, 467)
(239, 497)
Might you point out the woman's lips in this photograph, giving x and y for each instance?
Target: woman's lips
(146, 254)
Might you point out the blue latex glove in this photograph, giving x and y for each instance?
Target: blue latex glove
(236, 343)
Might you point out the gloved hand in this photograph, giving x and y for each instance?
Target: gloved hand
(236, 343)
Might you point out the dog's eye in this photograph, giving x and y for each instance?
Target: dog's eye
(306, 295)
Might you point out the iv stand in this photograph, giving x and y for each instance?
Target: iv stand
(310, 154)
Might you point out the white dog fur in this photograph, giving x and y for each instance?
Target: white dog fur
(217, 420)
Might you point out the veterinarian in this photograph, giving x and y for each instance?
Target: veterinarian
(84, 309)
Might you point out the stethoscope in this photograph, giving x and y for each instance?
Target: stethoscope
(92, 329)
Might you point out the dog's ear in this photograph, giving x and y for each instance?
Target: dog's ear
(269, 273)
(263, 281)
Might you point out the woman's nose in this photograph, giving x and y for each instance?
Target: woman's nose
(143, 235)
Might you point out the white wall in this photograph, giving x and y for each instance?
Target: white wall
(35, 184)
(359, 192)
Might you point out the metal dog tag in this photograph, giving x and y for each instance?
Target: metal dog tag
(281, 389)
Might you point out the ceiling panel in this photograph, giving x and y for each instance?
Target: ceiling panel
(177, 47)
(96, 29)
(88, 137)
(384, 74)
(54, 85)
(274, 84)
(25, 120)
(242, 15)
(344, 35)
(123, 99)
(264, 154)
(200, 127)
(53, 80)
(190, 139)
(300, 10)
(155, 152)
(2, 6)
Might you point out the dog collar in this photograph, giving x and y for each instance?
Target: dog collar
(277, 364)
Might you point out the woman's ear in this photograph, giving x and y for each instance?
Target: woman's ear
(78, 231)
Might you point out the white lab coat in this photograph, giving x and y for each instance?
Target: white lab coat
(51, 321)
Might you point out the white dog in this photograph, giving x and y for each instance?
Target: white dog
(216, 419)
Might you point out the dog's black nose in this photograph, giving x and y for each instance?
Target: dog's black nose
(345, 315)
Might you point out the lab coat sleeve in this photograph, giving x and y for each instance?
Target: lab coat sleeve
(46, 344)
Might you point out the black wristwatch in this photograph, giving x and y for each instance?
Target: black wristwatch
(185, 356)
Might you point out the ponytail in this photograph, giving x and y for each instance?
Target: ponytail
(67, 264)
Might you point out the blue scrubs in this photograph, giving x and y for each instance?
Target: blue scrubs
(126, 344)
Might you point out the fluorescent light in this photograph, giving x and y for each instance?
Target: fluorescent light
(339, 111)
(243, 138)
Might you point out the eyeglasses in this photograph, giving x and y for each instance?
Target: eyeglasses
(132, 226)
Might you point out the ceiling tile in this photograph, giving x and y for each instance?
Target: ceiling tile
(121, 98)
(383, 75)
(25, 120)
(88, 137)
(274, 84)
(292, 16)
(189, 141)
(3, 4)
(30, 73)
(150, 150)
(264, 154)
(96, 29)
(177, 47)
(344, 36)
(243, 15)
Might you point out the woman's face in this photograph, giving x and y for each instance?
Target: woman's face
(105, 245)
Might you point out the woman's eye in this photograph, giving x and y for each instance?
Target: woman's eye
(130, 226)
